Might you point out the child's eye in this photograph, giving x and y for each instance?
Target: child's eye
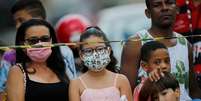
(167, 61)
(164, 93)
(155, 98)
(157, 62)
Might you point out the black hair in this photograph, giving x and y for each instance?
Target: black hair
(55, 61)
(96, 31)
(148, 48)
(147, 3)
(151, 89)
(34, 7)
(2, 50)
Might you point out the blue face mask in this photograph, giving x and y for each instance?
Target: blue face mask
(97, 61)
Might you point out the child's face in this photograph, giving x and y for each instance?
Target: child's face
(95, 54)
(168, 95)
(159, 59)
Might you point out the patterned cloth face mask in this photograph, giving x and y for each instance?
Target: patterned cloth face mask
(98, 60)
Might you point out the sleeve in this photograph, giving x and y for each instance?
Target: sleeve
(69, 61)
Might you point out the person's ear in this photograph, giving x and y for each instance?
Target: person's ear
(144, 65)
(177, 92)
(147, 13)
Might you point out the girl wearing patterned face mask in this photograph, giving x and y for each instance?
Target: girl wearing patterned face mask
(96, 59)
(99, 81)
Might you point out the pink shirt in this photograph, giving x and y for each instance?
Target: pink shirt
(104, 94)
(138, 89)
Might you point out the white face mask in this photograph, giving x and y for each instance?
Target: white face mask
(97, 61)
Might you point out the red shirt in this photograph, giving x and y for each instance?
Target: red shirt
(182, 21)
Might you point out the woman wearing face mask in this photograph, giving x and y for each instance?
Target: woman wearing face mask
(99, 81)
(39, 74)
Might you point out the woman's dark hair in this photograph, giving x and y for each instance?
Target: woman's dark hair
(34, 7)
(148, 48)
(55, 62)
(2, 50)
(96, 31)
(150, 89)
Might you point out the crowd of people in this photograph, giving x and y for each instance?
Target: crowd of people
(152, 68)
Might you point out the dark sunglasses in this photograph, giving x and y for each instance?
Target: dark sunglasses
(35, 40)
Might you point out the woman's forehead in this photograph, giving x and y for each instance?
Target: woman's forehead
(37, 31)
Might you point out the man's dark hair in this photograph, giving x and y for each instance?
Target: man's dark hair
(147, 3)
(34, 7)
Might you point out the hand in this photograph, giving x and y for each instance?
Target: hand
(155, 74)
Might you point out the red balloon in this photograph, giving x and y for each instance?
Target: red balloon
(69, 28)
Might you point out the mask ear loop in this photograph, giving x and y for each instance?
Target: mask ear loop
(109, 49)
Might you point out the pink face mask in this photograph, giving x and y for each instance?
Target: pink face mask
(39, 54)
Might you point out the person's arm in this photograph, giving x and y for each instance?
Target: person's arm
(129, 60)
(74, 92)
(15, 85)
(195, 91)
(124, 86)
(69, 62)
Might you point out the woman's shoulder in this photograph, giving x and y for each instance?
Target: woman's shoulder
(15, 75)
(15, 69)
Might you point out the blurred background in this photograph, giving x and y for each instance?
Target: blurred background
(58, 8)
(119, 19)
